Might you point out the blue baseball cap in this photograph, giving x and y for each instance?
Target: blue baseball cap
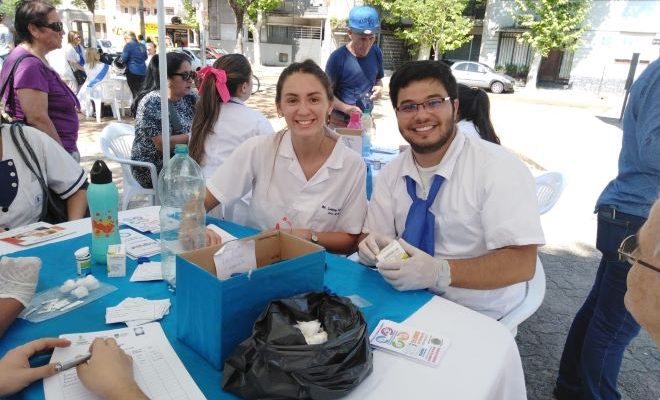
(364, 20)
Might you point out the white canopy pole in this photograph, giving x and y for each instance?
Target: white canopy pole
(162, 68)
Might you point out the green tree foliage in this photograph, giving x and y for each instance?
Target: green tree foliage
(190, 17)
(8, 8)
(88, 4)
(425, 23)
(552, 24)
(261, 5)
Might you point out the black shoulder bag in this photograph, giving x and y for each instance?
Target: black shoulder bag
(54, 209)
(10, 96)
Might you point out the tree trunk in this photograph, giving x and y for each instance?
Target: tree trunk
(239, 14)
(424, 51)
(257, 38)
(533, 73)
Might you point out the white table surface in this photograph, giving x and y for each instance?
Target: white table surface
(482, 361)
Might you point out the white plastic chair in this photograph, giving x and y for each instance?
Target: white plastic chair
(534, 294)
(549, 186)
(116, 143)
(104, 92)
(122, 95)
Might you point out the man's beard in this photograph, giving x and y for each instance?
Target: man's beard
(437, 145)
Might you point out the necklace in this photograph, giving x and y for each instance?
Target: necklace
(419, 174)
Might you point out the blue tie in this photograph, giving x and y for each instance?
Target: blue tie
(420, 223)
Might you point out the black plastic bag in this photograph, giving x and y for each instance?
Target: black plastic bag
(276, 362)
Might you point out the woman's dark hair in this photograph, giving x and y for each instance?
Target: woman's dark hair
(238, 71)
(30, 12)
(305, 67)
(152, 80)
(474, 106)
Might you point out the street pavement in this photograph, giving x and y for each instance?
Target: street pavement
(577, 134)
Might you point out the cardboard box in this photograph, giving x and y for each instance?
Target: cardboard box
(352, 138)
(116, 260)
(214, 316)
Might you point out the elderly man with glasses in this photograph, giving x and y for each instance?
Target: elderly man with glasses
(603, 328)
(642, 251)
(463, 209)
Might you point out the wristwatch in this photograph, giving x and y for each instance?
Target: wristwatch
(314, 238)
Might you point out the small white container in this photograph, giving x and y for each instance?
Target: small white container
(83, 261)
(116, 260)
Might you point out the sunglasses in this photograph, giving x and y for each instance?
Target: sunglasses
(186, 76)
(54, 26)
(627, 248)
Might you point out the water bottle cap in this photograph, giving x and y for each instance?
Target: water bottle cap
(100, 173)
(181, 148)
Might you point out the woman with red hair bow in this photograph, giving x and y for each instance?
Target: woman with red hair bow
(222, 120)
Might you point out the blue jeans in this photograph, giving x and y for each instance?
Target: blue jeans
(602, 328)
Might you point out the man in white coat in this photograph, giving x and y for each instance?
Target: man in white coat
(463, 209)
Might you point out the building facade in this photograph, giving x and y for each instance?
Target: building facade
(617, 29)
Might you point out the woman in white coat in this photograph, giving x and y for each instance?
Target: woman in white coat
(304, 179)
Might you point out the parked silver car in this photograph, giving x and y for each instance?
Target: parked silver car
(195, 62)
(480, 75)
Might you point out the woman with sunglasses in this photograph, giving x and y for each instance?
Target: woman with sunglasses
(148, 143)
(53, 106)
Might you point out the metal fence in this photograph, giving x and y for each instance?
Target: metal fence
(510, 51)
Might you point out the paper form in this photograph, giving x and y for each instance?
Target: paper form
(157, 369)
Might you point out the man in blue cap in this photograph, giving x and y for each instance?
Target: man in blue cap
(356, 69)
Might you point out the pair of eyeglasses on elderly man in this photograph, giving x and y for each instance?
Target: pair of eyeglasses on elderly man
(629, 247)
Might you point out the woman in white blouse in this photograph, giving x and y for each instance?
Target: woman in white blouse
(303, 180)
(222, 120)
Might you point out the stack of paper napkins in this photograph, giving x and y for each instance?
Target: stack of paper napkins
(135, 311)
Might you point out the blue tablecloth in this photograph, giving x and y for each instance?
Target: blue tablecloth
(376, 298)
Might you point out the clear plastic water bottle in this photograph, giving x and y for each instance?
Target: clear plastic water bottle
(367, 132)
(181, 190)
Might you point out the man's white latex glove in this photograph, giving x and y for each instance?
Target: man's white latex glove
(419, 271)
(19, 277)
(369, 248)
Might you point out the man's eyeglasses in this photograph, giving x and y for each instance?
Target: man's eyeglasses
(186, 76)
(429, 105)
(627, 248)
(54, 26)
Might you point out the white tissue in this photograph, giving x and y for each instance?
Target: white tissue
(318, 338)
(308, 328)
(80, 292)
(91, 282)
(312, 331)
(68, 286)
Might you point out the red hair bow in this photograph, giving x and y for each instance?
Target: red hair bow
(220, 81)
